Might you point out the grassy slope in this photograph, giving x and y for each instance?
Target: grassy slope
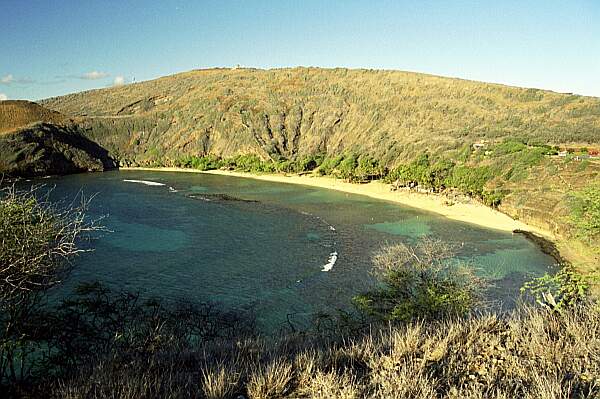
(527, 355)
(392, 115)
(388, 114)
(16, 114)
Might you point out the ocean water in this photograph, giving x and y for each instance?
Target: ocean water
(281, 251)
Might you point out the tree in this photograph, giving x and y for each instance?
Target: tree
(37, 241)
(347, 167)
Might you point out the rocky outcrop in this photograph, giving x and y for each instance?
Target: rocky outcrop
(47, 149)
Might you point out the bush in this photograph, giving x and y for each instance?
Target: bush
(492, 198)
(420, 282)
(208, 162)
(368, 168)
(585, 213)
(311, 162)
(251, 163)
(559, 292)
(38, 241)
(470, 180)
(347, 167)
(509, 147)
(329, 165)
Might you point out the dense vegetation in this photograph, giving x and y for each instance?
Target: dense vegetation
(470, 172)
(99, 344)
(586, 213)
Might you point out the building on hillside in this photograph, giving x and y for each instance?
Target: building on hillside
(581, 157)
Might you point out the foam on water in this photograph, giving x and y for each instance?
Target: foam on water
(330, 262)
(146, 182)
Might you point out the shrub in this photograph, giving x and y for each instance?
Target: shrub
(509, 147)
(251, 163)
(329, 164)
(585, 213)
(368, 167)
(470, 180)
(420, 282)
(208, 162)
(561, 291)
(38, 241)
(311, 162)
(492, 198)
(347, 167)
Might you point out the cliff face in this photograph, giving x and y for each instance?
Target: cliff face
(46, 149)
(35, 141)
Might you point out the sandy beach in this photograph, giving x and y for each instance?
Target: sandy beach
(470, 212)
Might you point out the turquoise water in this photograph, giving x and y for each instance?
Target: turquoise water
(263, 247)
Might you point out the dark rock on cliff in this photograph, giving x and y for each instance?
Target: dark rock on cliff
(47, 149)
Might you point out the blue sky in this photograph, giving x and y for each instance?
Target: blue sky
(55, 47)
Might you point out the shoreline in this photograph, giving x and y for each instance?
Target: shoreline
(471, 212)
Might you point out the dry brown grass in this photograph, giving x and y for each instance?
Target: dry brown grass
(270, 381)
(16, 114)
(530, 354)
(388, 114)
(219, 382)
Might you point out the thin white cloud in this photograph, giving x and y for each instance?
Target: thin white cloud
(95, 75)
(10, 79)
(7, 79)
(3, 97)
(119, 81)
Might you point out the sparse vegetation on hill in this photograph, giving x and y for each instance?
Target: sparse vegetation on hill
(36, 141)
(290, 113)
(43, 149)
(16, 114)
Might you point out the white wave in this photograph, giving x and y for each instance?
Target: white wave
(146, 182)
(331, 261)
(331, 228)
(171, 189)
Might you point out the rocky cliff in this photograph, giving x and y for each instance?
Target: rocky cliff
(35, 141)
